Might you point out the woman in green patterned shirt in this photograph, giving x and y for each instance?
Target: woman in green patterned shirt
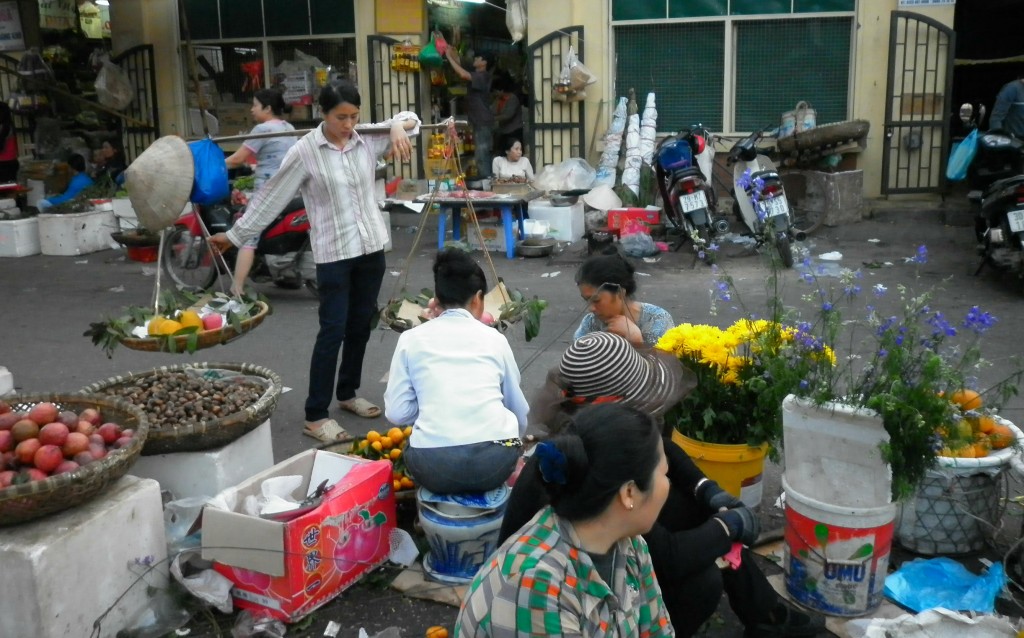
(580, 567)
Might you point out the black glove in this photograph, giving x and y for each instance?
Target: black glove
(715, 498)
(742, 523)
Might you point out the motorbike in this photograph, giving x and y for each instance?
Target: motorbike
(683, 165)
(759, 199)
(997, 177)
(283, 255)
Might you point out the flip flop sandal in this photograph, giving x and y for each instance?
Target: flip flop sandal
(360, 407)
(329, 432)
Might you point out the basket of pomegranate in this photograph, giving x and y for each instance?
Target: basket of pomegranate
(59, 450)
(196, 406)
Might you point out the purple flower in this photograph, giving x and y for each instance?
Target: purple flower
(826, 307)
(978, 321)
(882, 353)
(879, 290)
(804, 384)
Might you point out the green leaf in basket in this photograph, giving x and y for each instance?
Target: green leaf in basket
(171, 343)
(821, 533)
(193, 343)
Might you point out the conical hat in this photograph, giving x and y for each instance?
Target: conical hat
(602, 198)
(159, 182)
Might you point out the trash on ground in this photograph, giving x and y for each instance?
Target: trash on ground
(874, 241)
(923, 584)
(835, 255)
(934, 623)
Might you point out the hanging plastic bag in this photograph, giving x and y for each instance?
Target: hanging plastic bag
(113, 87)
(961, 157)
(574, 74)
(433, 53)
(515, 19)
(942, 582)
(211, 173)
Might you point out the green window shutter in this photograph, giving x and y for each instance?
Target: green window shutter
(333, 16)
(697, 8)
(638, 9)
(286, 17)
(203, 22)
(781, 62)
(683, 63)
(818, 6)
(758, 7)
(241, 18)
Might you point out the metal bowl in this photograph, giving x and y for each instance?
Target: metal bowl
(564, 200)
(536, 247)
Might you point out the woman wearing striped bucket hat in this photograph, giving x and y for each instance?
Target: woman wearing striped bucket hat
(700, 523)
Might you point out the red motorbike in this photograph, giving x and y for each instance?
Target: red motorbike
(284, 255)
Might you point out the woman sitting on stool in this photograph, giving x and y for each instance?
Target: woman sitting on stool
(456, 381)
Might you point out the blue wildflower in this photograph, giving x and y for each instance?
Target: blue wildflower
(879, 290)
(978, 321)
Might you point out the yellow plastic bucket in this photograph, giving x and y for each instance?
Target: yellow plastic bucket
(738, 469)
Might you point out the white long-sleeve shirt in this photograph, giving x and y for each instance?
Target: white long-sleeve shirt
(337, 189)
(456, 381)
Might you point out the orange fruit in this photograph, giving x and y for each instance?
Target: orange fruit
(396, 475)
(407, 431)
(396, 435)
(437, 632)
(967, 399)
(965, 452)
(945, 451)
(986, 424)
(396, 485)
(407, 482)
(373, 435)
(1000, 437)
(377, 445)
(153, 328)
(963, 430)
(395, 453)
(191, 318)
(386, 442)
(981, 449)
(169, 327)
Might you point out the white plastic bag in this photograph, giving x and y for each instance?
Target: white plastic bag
(574, 74)
(515, 19)
(113, 87)
(572, 174)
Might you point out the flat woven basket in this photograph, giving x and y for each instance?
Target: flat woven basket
(204, 435)
(29, 501)
(825, 135)
(205, 339)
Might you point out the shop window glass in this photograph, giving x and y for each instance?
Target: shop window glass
(241, 18)
(817, 6)
(758, 7)
(331, 16)
(697, 8)
(203, 19)
(336, 53)
(286, 17)
(638, 9)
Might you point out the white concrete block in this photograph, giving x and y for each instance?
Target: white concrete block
(6, 381)
(76, 233)
(61, 572)
(187, 474)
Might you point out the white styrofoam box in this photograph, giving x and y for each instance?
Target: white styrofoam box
(125, 214)
(6, 381)
(8, 203)
(188, 474)
(37, 191)
(76, 233)
(64, 570)
(566, 221)
(19, 237)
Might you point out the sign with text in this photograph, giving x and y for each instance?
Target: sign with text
(924, 3)
(11, 36)
(57, 14)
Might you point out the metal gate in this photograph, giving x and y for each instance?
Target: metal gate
(391, 92)
(137, 135)
(556, 128)
(918, 104)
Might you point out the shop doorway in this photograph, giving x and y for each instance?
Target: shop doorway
(556, 127)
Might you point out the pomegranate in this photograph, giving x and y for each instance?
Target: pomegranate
(91, 415)
(110, 432)
(8, 419)
(84, 427)
(75, 442)
(83, 458)
(25, 429)
(65, 467)
(47, 458)
(53, 434)
(68, 418)
(43, 413)
(6, 478)
(6, 441)
(26, 450)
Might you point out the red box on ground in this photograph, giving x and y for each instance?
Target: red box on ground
(143, 254)
(290, 568)
(618, 217)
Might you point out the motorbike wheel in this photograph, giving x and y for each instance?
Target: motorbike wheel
(805, 221)
(784, 249)
(188, 260)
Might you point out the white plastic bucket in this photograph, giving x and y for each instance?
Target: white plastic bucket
(836, 558)
(461, 536)
(788, 126)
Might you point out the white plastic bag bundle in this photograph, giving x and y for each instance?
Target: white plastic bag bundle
(572, 174)
(609, 161)
(113, 87)
(574, 74)
(631, 172)
(648, 130)
(515, 19)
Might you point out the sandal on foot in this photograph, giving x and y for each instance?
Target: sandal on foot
(328, 432)
(360, 407)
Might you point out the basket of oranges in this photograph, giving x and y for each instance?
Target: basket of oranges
(388, 446)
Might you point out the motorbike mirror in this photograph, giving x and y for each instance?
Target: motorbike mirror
(699, 139)
(966, 112)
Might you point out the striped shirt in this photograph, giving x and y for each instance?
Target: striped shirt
(337, 187)
(539, 583)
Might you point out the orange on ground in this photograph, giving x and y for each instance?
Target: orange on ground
(967, 399)
(437, 632)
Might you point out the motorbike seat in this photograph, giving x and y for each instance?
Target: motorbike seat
(295, 204)
(681, 174)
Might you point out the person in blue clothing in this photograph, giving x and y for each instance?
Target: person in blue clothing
(1008, 112)
(607, 284)
(80, 181)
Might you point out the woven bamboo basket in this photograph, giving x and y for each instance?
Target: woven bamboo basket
(824, 135)
(205, 339)
(203, 435)
(29, 501)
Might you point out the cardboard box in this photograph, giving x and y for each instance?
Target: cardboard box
(19, 237)
(493, 236)
(234, 117)
(617, 217)
(208, 95)
(288, 569)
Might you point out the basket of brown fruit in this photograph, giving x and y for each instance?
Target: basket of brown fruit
(60, 450)
(197, 406)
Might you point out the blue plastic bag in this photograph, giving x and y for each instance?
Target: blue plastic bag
(942, 582)
(210, 185)
(961, 157)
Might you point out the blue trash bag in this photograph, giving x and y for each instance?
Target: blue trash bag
(925, 584)
(961, 157)
(210, 185)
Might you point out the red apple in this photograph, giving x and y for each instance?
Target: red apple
(34, 474)
(47, 458)
(68, 418)
(8, 460)
(97, 451)
(7, 420)
(5, 407)
(91, 415)
(53, 434)
(213, 321)
(124, 441)
(96, 439)
(6, 478)
(76, 442)
(84, 427)
(43, 413)
(83, 458)
(65, 467)
(25, 429)
(26, 450)
(6, 441)
(110, 432)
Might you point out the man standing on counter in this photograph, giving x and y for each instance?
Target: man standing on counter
(478, 106)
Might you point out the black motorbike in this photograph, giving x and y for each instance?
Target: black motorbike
(997, 178)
